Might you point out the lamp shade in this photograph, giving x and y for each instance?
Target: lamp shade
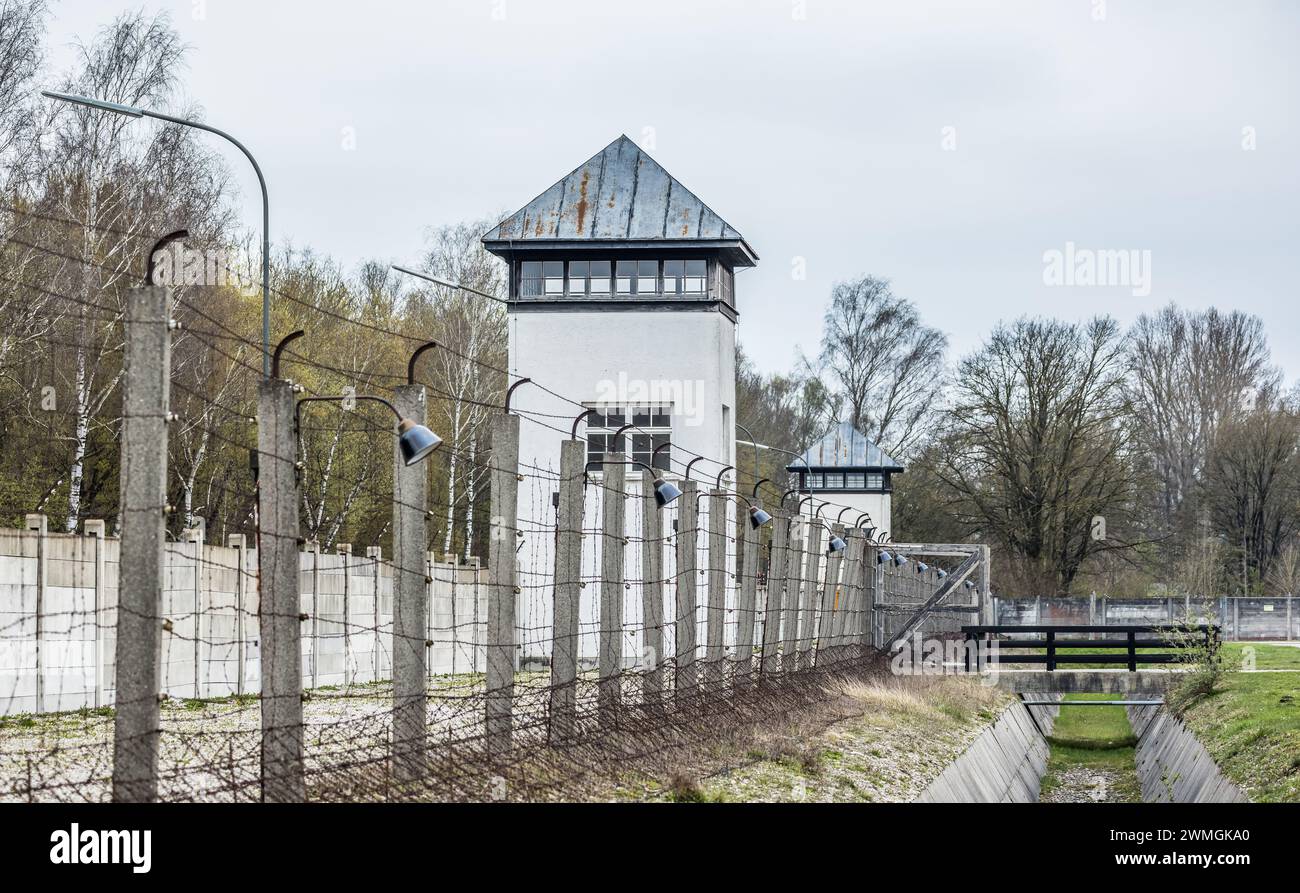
(758, 517)
(899, 561)
(883, 557)
(836, 545)
(415, 441)
(665, 492)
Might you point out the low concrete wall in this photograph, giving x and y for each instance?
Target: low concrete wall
(1005, 764)
(1173, 765)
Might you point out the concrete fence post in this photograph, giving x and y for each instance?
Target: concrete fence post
(195, 536)
(313, 548)
(238, 542)
(686, 678)
(746, 599)
(376, 556)
(97, 529)
(38, 526)
(566, 633)
(612, 542)
(653, 659)
(780, 550)
(715, 651)
(984, 579)
(503, 588)
(867, 614)
(811, 579)
(792, 605)
(349, 659)
(410, 598)
(851, 592)
(830, 598)
(143, 500)
(278, 614)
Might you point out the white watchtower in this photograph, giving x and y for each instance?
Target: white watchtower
(622, 299)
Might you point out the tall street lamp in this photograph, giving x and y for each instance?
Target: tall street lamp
(134, 112)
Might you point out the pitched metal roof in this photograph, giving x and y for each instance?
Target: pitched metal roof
(620, 194)
(846, 447)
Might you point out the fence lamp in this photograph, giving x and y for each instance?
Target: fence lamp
(414, 441)
(665, 491)
(836, 543)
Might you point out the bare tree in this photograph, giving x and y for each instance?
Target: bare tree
(1252, 486)
(881, 361)
(101, 173)
(471, 330)
(1189, 374)
(1035, 448)
(22, 27)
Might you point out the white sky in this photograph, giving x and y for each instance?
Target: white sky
(816, 128)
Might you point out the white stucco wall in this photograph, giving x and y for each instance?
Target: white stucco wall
(689, 356)
(686, 358)
(877, 505)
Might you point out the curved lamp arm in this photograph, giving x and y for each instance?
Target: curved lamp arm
(159, 246)
(578, 421)
(279, 351)
(722, 472)
(415, 358)
(511, 390)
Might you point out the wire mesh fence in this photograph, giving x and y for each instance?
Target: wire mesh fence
(609, 629)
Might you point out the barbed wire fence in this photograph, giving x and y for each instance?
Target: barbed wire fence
(608, 639)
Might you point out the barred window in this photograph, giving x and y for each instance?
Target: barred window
(654, 429)
(530, 279)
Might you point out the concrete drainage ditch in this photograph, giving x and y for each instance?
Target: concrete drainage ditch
(1008, 761)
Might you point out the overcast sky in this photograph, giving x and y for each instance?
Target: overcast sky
(945, 146)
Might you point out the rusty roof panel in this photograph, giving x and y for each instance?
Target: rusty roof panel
(618, 193)
(651, 203)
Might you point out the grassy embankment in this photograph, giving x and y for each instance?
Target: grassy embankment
(899, 735)
(1251, 723)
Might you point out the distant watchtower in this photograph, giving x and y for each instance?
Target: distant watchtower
(622, 299)
(846, 469)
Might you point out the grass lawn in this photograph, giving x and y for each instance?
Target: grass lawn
(1264, 655)
(1251, 726)
(1092, 755)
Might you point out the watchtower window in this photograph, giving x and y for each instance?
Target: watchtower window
(530, 279)
(553, 274)
(582, 278)
(600, 277)
(685, 277)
